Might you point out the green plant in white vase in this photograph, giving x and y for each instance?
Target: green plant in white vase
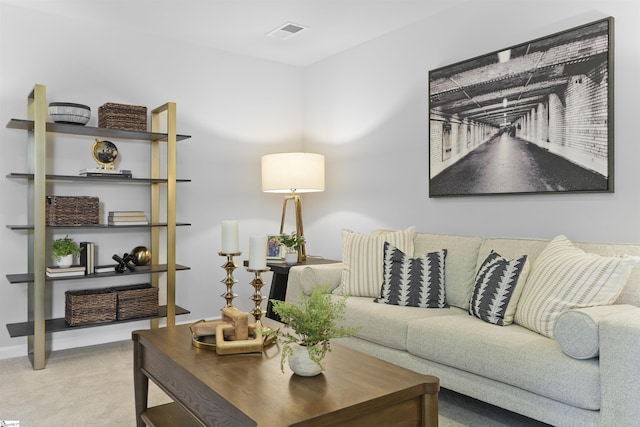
(310, 325)
(292, 244)
(62, 248)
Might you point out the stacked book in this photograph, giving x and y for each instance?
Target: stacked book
(88, 256)
(127, 218)
(119, 173)
(107, 268)
(74, 270)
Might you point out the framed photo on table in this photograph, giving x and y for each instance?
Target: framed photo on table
(274, 248)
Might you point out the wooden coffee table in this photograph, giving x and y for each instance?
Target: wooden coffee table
(250, 390)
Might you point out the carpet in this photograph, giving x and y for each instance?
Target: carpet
(94, 386)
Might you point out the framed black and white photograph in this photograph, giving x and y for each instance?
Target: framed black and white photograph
(536, 117)
(274, 248)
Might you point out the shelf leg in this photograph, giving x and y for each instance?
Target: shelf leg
(37, 111)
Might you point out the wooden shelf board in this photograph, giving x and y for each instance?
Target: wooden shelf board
(94, 226)
(24, 329)
(145, 269)
(94, 131)
(93, 179)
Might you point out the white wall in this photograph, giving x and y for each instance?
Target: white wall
(365, 109)
(367, 112)
(236, 109)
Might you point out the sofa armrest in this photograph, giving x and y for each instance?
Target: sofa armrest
(620, 368)
(303, 278)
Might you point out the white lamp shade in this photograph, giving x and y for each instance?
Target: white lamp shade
(286, 172)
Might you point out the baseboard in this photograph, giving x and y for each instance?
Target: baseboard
(13, 351)
(83, 338)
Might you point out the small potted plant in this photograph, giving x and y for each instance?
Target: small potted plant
(63, 251)
(310, 324)
(292, 244)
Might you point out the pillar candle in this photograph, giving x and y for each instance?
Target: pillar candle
(230, 243)
(258, 253)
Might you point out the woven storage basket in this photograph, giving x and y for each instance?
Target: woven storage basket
(136, 301)
(72, 210)
(122, 116)
(90, 306)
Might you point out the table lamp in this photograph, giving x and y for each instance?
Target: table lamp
(293, 173)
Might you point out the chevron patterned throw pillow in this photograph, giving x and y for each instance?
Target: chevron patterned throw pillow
(415, 282)
(496, 291)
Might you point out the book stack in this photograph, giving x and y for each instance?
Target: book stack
(107, 268)
(127, 218)
(74, 270)
(119, 173)
(88, 256)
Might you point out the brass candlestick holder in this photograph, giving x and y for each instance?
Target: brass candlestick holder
(257, 298)
(229, 281)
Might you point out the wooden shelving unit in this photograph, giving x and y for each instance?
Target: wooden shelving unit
(162, 186)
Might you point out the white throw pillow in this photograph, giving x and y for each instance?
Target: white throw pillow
(564, 278)
(362, 260)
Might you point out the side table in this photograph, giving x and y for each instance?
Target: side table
(280, 270)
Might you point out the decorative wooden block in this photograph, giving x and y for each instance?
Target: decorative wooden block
(240, 321)
(203, 329)
(252, 345)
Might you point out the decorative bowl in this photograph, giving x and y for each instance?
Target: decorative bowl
(67, 112)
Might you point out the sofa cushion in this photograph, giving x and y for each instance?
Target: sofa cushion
(565, 277)
(577, 331)
(387, 324)
(497, 288)
(414, 282)
(513, 355)
(460, 269)
(362, 260)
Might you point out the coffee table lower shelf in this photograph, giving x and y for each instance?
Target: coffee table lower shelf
(168, 415)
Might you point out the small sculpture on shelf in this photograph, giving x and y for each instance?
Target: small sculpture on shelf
(141, 255)
(124, 263)
(105, 153)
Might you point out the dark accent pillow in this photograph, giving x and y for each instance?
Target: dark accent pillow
(414, 282)
(496, 291)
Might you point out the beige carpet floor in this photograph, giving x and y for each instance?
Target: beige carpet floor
(93, 386)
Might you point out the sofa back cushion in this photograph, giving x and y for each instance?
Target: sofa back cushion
(631, 292)
(564, 277)
(511, 248)
(460, 267)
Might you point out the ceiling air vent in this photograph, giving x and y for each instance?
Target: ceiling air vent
(286, 31)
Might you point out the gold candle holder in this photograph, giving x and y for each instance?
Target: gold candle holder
(229, 281)
(257, 298)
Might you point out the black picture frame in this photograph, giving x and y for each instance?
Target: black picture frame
(532, 118)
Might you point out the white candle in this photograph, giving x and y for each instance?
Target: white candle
(230, 243)
(258, 253)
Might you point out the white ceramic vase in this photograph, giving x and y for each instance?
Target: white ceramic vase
(65, 261)
(291, 258)
(301, 364)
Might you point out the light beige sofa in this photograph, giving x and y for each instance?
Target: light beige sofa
(509, 366)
